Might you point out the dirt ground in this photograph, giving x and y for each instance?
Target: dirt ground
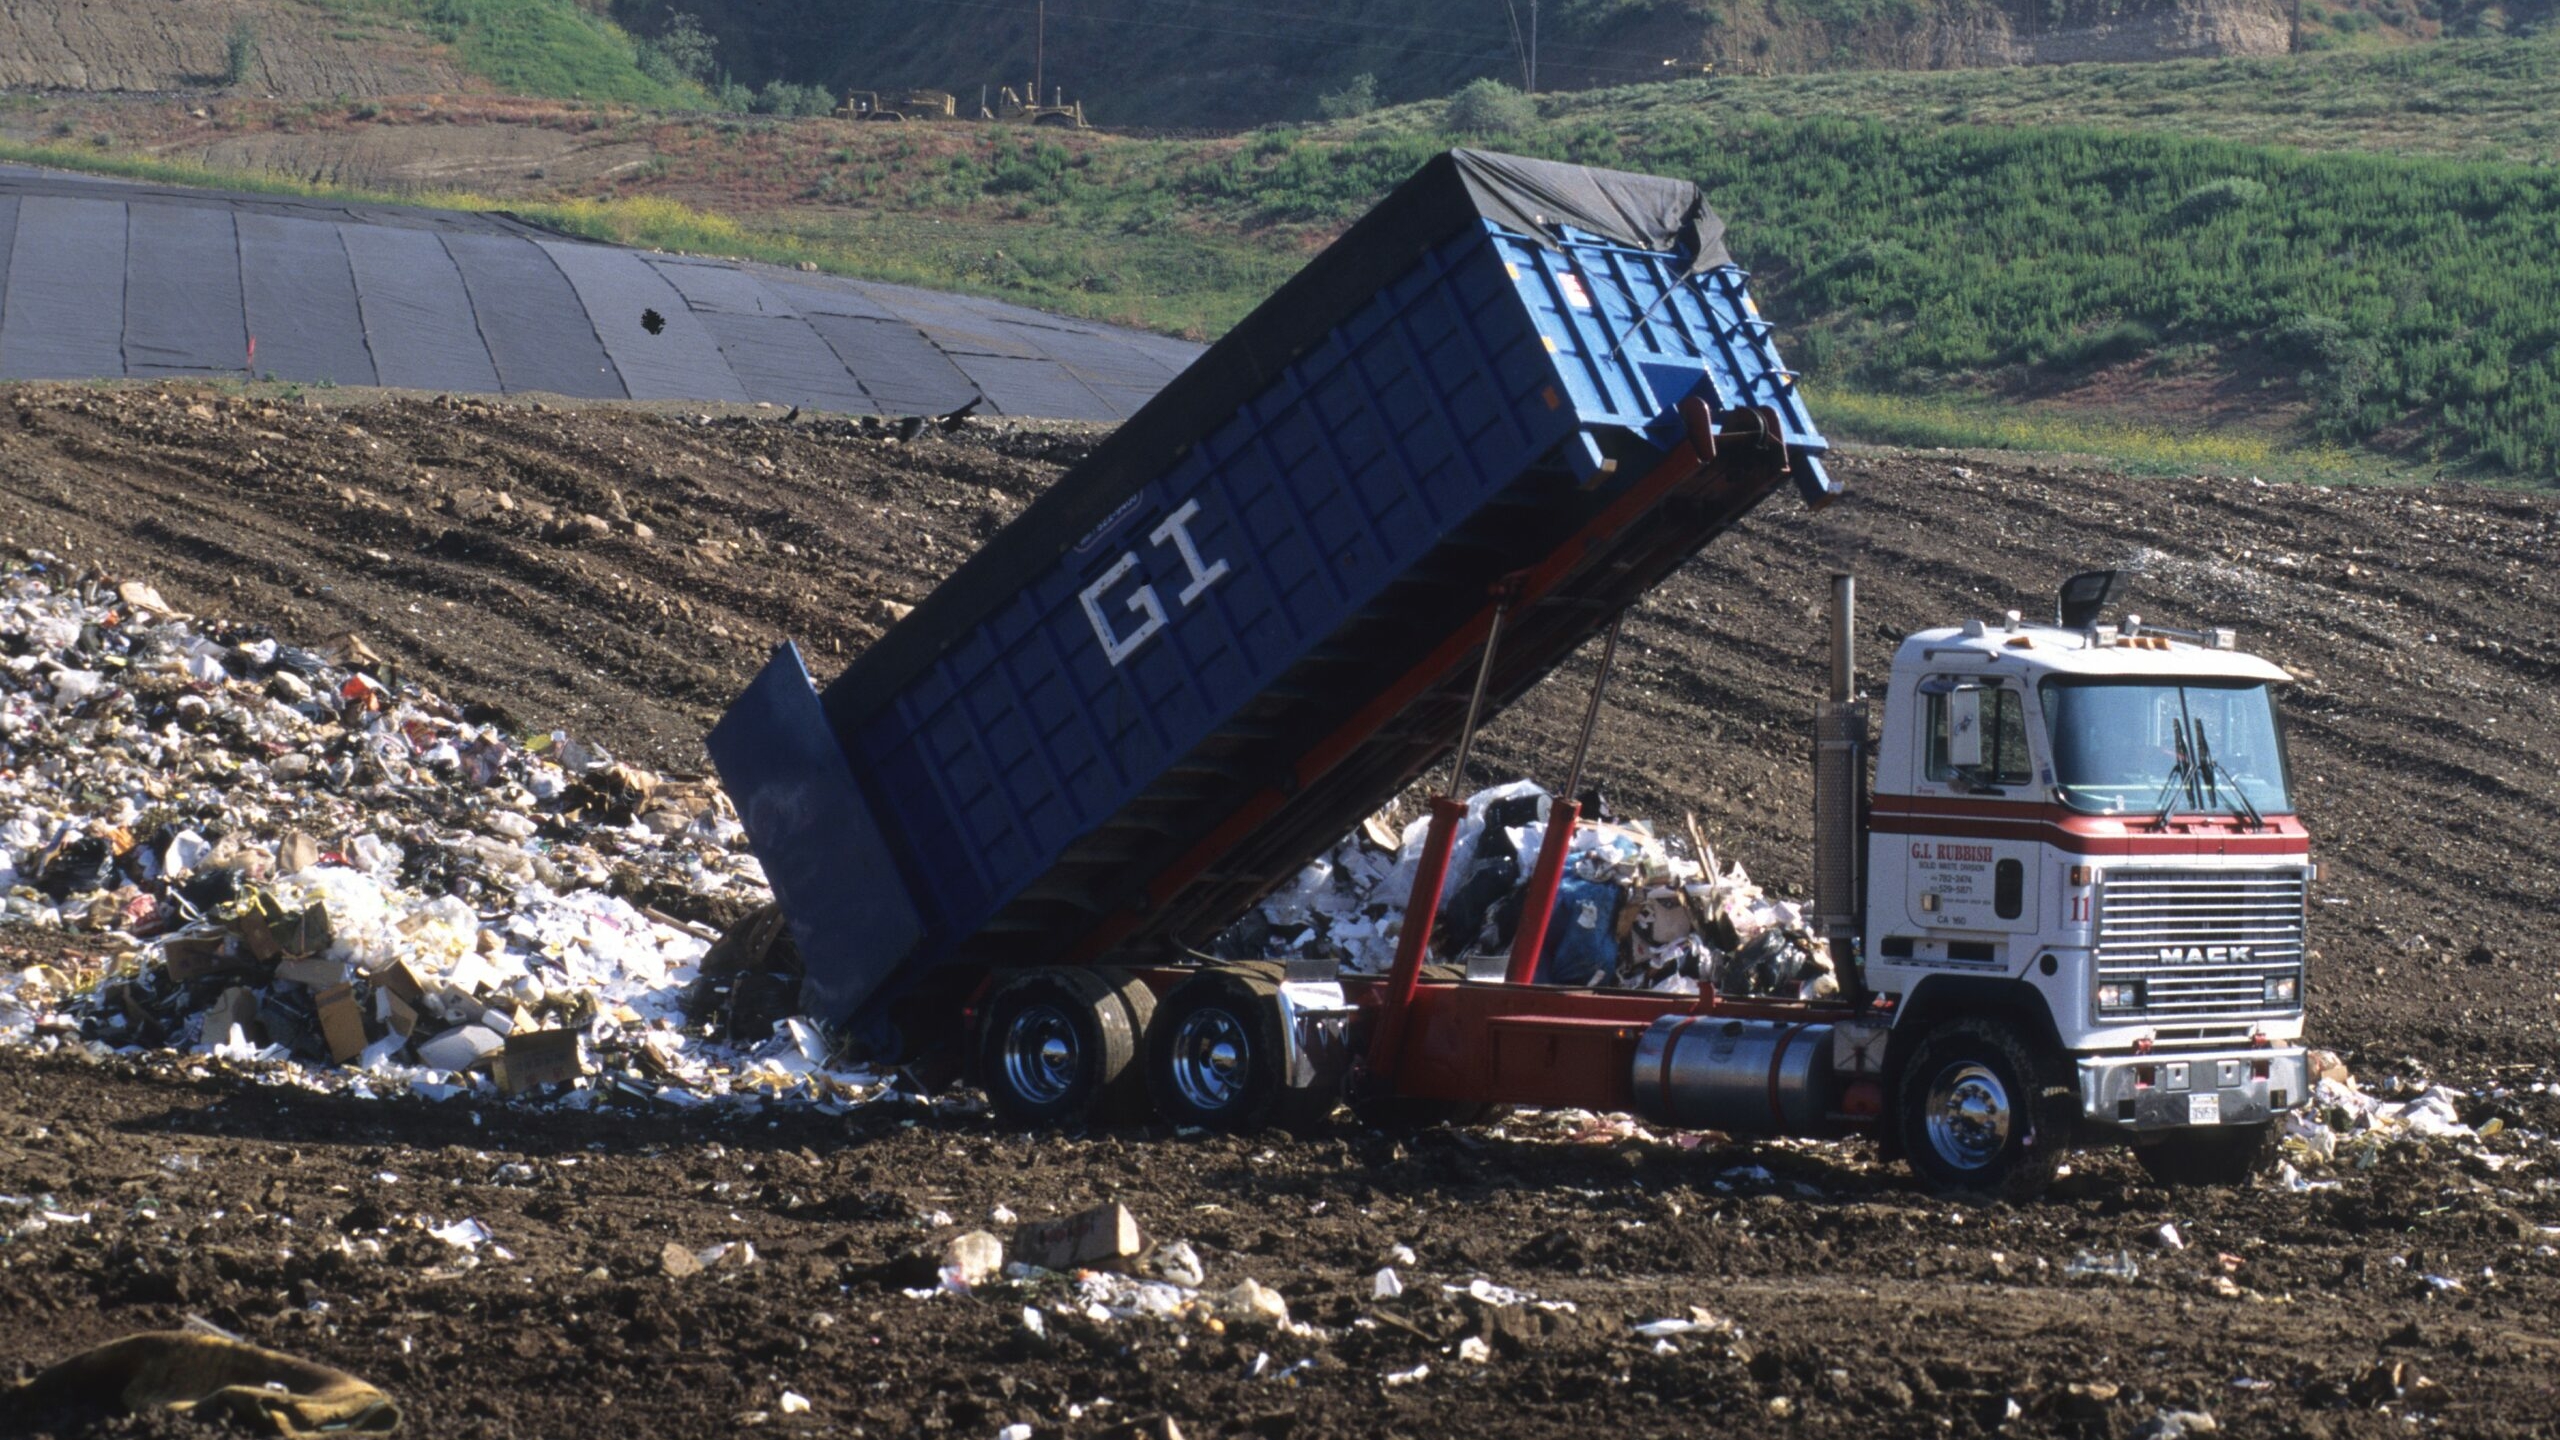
(621, 573)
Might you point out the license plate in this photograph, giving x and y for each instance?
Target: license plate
(2204, 1109)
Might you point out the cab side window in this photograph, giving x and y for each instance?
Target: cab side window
(2001, 712)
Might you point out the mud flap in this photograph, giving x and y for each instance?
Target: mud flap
(822, 850)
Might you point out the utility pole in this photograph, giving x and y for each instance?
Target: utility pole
(1533, 46)
(1039, 48)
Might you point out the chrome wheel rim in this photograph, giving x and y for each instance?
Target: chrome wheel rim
(1211, 1059)
(1969, 1116)
(1041, 1054)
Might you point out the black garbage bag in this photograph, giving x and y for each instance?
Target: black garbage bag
(1462, 919)
(83, 864)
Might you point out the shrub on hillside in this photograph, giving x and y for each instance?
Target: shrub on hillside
(679, 53)
(240, 51)
(2215, 197)
(1488, 107)
(2106, 345)
(1351, 101)
(781, 97)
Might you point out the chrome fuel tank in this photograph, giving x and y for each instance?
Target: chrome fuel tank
(1742, 1077)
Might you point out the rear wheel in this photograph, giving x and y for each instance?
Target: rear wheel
(1971, 1112)
(1060, 1046)
(1216, 1055)
(2210, 1156)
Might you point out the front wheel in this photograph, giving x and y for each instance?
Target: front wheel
(1971, 1112)
(2209, 1156)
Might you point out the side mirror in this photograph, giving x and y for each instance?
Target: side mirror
(1964, 727)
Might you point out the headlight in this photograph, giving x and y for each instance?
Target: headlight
(2283, 989)
(2120, 995)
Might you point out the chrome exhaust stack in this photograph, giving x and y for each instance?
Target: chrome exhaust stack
(1840, 788)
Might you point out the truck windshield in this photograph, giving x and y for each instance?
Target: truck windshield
(2116, 744)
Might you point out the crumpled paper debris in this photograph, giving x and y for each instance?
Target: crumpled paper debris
(291, 857)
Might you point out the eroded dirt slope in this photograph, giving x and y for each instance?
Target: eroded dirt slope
(303, 50)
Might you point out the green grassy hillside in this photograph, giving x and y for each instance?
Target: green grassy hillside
(2405, 303)
(2490, 99)
(1224, 64)
(557, 49)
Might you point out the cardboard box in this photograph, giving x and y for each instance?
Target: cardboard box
(534, 1058)
(341, 1022)
(237, 1006)
(252, 926)
(396, 1010)
(316, 971)
(193, 957)
(1104, 1233)
(305, 934)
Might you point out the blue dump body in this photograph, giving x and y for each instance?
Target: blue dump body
(1115, 728)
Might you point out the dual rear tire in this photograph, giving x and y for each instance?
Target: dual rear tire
(1074, 1046)
(1066, 1047)
(1060, 1047)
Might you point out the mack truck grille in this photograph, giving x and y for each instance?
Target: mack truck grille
(2204, 945)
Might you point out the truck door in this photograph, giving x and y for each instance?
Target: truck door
(1978, 874)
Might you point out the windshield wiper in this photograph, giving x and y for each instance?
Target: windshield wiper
(2181, 778)
(2208, 768)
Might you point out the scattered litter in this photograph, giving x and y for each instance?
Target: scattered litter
(1179, 1263)
(1475, 1351)
(2090, 1265)
(971, 1260)
(1385, 1285)
(1251, 1300)
(1408, 1377)
(463, 1234)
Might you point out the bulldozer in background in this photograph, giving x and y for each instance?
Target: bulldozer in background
(912, 105)
(1011, 106)
(1005, 104)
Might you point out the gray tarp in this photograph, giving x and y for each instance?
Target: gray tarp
(62, 317)
(182, 312)
(417, 315)
(100, 279)
(301, 297)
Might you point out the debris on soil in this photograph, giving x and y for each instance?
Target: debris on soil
(208, 1376)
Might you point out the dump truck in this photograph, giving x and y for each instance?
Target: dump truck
(1450, 452)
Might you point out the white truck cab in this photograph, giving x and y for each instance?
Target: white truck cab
(2084, 898)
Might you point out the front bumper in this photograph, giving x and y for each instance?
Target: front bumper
(2178, 1090)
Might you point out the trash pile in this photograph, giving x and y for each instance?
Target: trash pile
(2346, 1128)
(309, 862)
(1629, 913)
